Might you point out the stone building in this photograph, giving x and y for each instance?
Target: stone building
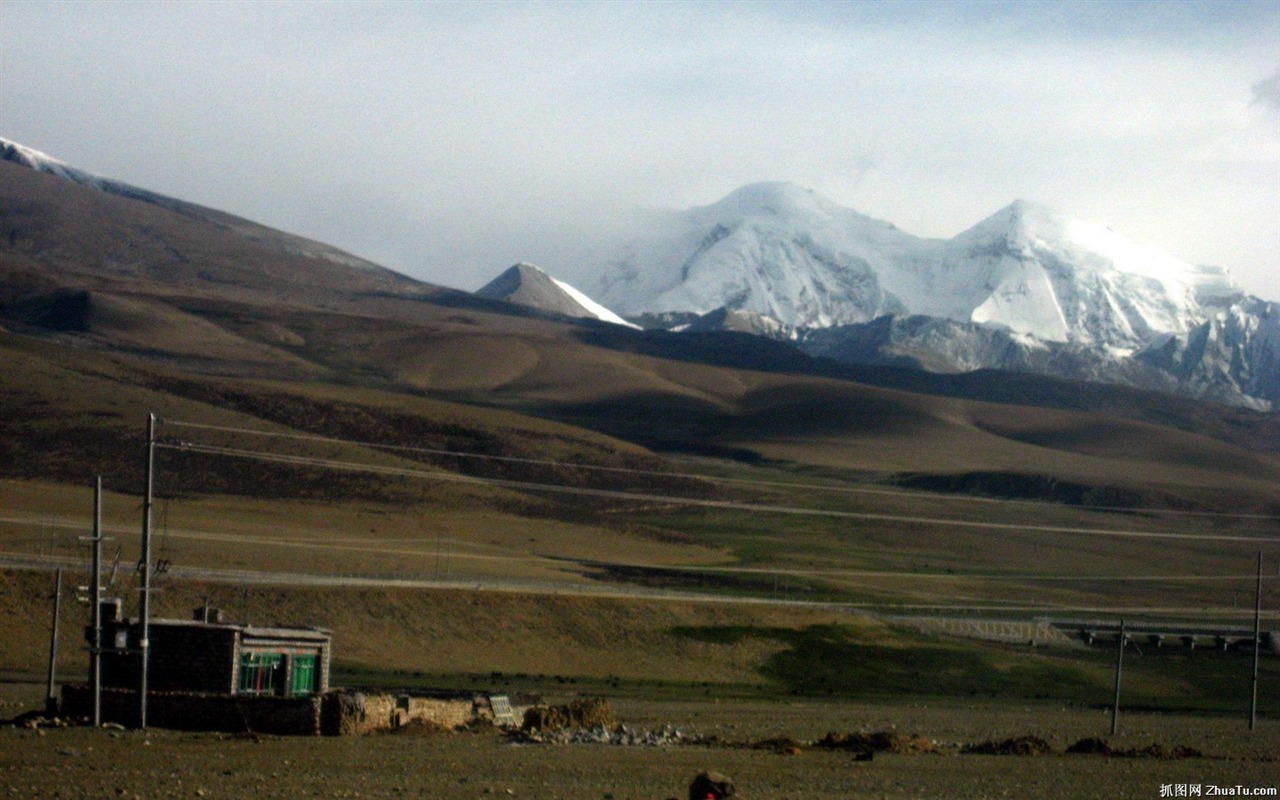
(209, 656)
(207, 674)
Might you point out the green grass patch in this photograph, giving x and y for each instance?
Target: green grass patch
(546, 686)
(838, 661)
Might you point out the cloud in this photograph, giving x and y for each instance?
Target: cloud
(452, 140)
(1267, 92)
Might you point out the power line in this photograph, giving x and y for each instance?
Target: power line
(696, 475)
(355, 544)
(352, 466)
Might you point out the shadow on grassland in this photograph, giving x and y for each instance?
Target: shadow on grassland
(833, 660)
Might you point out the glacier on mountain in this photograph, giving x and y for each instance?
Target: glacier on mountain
(770, 249)
(1026, 288)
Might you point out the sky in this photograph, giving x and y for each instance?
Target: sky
(449, 140)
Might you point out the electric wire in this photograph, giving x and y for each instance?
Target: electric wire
(692, 475)
(352, 466)
(533, 486)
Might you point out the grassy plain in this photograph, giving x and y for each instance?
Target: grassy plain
(698, 527)
(159, 764)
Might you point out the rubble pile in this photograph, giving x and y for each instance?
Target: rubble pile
(619, 735)
(587, 713)
(35, 720)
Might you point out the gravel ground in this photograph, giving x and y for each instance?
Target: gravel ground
(83, 763)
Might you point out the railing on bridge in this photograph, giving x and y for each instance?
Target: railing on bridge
(1165, 634)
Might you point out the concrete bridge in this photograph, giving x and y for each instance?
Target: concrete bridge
(1167, 634)
(1043, 631)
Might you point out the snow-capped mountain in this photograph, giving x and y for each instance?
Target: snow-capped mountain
(771, 249)
(528, 285)
(1235, 353)
(1027, 288)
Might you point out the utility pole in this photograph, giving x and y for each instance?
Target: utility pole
(144, 564)
(50, 698)
(95, 597)
(1257, 645)
(1115, 705)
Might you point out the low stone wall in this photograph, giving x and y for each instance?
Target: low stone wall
(353, 713)
(189, 711)
(336, 713)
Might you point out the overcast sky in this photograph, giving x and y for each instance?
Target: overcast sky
(450, 140)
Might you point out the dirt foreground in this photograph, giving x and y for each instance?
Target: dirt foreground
(84, 763)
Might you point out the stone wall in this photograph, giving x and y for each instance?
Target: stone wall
(189, 658)
(336, 713)
(348, 713)
(284, 716)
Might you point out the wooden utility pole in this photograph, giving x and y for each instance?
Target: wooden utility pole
(95, 597)
(95, 604)
(1257, 645)
(1115, 705)
(144, 564)
(50, 697)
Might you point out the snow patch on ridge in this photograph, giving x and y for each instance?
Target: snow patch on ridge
(596, 310)
(529, 285)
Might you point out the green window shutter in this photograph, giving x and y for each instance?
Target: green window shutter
(304, 676)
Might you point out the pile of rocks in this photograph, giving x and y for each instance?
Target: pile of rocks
(34, 720)
(619, 735)
(584, 713)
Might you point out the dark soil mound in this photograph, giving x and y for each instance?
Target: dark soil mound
(1020, 746)
(1091, 746)
(783, 745)
(418, 727)
(1098, 747)
(878, 742)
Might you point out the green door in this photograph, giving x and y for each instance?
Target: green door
(304, 676)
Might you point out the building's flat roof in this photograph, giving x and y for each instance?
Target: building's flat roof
(258, 631)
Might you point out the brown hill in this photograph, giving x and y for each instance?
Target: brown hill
(159, 294)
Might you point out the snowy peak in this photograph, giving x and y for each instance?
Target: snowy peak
(1027, 228)
(1031, 276)
(528, 285)
(788, 253)
(772, 249)
(784, 200)
(41, 162)
(1038, 272)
